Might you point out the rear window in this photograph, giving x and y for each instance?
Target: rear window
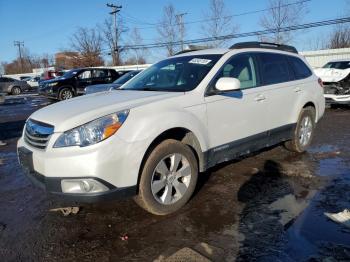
(274, 68)
(300, 70)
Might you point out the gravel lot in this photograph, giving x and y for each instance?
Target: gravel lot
(265, 207)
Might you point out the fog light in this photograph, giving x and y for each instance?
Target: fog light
(82, 186)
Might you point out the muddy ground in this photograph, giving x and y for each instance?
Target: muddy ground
(266, 207)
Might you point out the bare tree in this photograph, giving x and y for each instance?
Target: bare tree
(139, 54)
(168, 29)
(88, 43)
(340, 37)
(112, 37)
(218, 22)
(282, 14)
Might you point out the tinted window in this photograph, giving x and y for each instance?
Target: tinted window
(85, 75)
(241, 67)
(338, 65)
(274, 68)
(99, 73)
(300, 70)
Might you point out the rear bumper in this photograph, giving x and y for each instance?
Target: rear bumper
(53, 184)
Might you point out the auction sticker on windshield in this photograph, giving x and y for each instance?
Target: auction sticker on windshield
(200, 61)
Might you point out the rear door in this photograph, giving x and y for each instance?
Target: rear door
(237, 119)
(101, 76)
(281, 91)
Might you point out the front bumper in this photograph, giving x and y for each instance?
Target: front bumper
(47, 91)
(53, 184)
(337, 99)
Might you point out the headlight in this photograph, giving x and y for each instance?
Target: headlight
(92, 132)
(52, 84)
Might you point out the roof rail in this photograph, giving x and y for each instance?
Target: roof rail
(191, 48)
(267, 45)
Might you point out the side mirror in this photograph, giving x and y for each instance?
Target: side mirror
(226, 84)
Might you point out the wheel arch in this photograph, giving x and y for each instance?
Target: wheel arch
(183, 135)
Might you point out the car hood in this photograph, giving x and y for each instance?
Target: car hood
(71, 113)
(332, 74)
(99, 88)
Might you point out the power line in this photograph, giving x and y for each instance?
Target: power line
(115, 9)
(154, 25)
(19, 44)
(241, 35)
(180, 22)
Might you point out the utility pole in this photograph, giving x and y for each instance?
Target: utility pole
(180, 22)
(19, 44)
(115, 10)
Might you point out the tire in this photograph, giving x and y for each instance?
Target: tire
(157, 179)
(303, 132)
(65, 94)
(16, 90)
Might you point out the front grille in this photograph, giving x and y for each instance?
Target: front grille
(37, 134)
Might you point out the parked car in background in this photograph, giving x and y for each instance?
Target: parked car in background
(335, 76)
(13, 86)
(32, 81)
(112, 86)
(74, 82)
(22, 78)
(152, 137)
(50, 74)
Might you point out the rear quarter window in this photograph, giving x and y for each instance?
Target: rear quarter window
(300, 69)
(274, 68)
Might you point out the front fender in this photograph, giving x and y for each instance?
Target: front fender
(148, 128)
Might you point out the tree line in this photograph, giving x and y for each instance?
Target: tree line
(91, 46)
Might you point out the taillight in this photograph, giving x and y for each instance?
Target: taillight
(320, 82)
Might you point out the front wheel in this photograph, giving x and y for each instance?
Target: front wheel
(15, 90)
(168, 178)
(304, 131)
(65, 93)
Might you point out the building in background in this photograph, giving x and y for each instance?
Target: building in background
(66, 60)
(321, 57)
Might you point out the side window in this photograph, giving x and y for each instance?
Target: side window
(241, 67)
(274, 68)
(99, 73)
(300, 70)
(2, 80)
(85, 75)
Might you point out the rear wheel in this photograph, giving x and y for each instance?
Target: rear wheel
(303, 132)
(65, 93)
(168, 178)
(15, 90)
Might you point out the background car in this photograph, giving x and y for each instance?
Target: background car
(51, 74)
(335, 76)
(74, 82)
(33, 81)
(12, 86)
(115, 85)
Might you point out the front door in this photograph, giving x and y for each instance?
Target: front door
(237, 119)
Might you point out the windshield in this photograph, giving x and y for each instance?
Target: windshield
(338, 65)
(177, 74)
(71, 73)
(125, 78)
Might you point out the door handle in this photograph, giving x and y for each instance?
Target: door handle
(259, 98)
(297, 89)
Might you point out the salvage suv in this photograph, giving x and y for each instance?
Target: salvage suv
(152, 138)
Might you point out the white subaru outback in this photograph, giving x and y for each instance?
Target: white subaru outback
(183, 115)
